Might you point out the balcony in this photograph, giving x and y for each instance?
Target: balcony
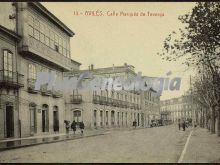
(103, 100)
(109, 101)
(44, 91)
(31, 86)
(132, 105)
(124, 104)
(116, 103)
(57, 94)
(36, 49)
(11, 79)
(96, 99)
(76, 99)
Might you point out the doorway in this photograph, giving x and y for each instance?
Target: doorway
(45, 120)
(55, 119)
(33, 119)
(9, 121)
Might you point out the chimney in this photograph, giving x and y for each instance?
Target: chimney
(92, 66)
(125, 64)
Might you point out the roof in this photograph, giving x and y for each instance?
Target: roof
(52, 17)
(107, 70)
(10, 33)
(77, 63)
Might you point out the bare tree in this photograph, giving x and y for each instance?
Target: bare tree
(198, 44)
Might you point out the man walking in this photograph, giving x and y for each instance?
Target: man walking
(184, 125)
(135, 123)
(73, 126)
(81, 126)
(179, 124)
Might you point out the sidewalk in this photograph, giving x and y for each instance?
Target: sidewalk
(43, 139)
(203, 147)
(36, 140)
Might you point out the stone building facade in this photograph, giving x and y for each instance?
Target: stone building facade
(177, 108)
(39, 42)
(33, 40)
(109, 108)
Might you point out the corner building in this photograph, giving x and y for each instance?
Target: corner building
(38, 42)
(109, 108)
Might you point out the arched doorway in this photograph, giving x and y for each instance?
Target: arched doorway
(94, 117)
(33, 118)
(112, 118)
(45, 118)
(55, 119)
(101, 118)
(106, 117)
(9, 120)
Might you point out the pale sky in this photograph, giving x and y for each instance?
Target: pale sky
(107, 40)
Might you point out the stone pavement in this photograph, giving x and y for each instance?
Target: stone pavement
(43, 139)
(203, 147)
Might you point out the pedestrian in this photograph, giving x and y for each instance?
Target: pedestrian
(179, 124)
(135, 123)
(73, 126)
(67, 126)
(81, 126)
(184, 125)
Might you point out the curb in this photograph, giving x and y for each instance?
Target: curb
(54, 141)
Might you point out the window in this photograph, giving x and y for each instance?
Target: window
(47, 34)
(112, 94)
(7, 63)
(60, 45)
(31, 31)
(56, 48)
(36, 34)
(36, 29)
(56, 43)
(42, 36)
(32, 71)
(31, 25)
(52, 39)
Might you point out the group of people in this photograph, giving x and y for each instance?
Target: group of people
(74, 126)
(134, 123)
(183, 124)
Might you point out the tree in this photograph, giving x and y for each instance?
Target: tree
(198, 44)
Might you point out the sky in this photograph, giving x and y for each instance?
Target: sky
(106, 40)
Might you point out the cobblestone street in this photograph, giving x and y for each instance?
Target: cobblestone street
(160, 144)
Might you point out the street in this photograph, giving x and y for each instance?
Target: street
(159, 144)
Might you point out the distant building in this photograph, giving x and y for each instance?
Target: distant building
(112, 108)
(177, 108)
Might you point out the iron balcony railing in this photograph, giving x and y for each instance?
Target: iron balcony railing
(45, 91)
(132, 105)
(103, 100)
(31, 85)
(76, 99)
(57, 94)
(11, 79)
(96, 99)
(109, 101)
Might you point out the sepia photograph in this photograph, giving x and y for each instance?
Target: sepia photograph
(109, 82)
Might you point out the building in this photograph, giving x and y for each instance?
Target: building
(109, 108)
(177, 108)
(31, 40)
